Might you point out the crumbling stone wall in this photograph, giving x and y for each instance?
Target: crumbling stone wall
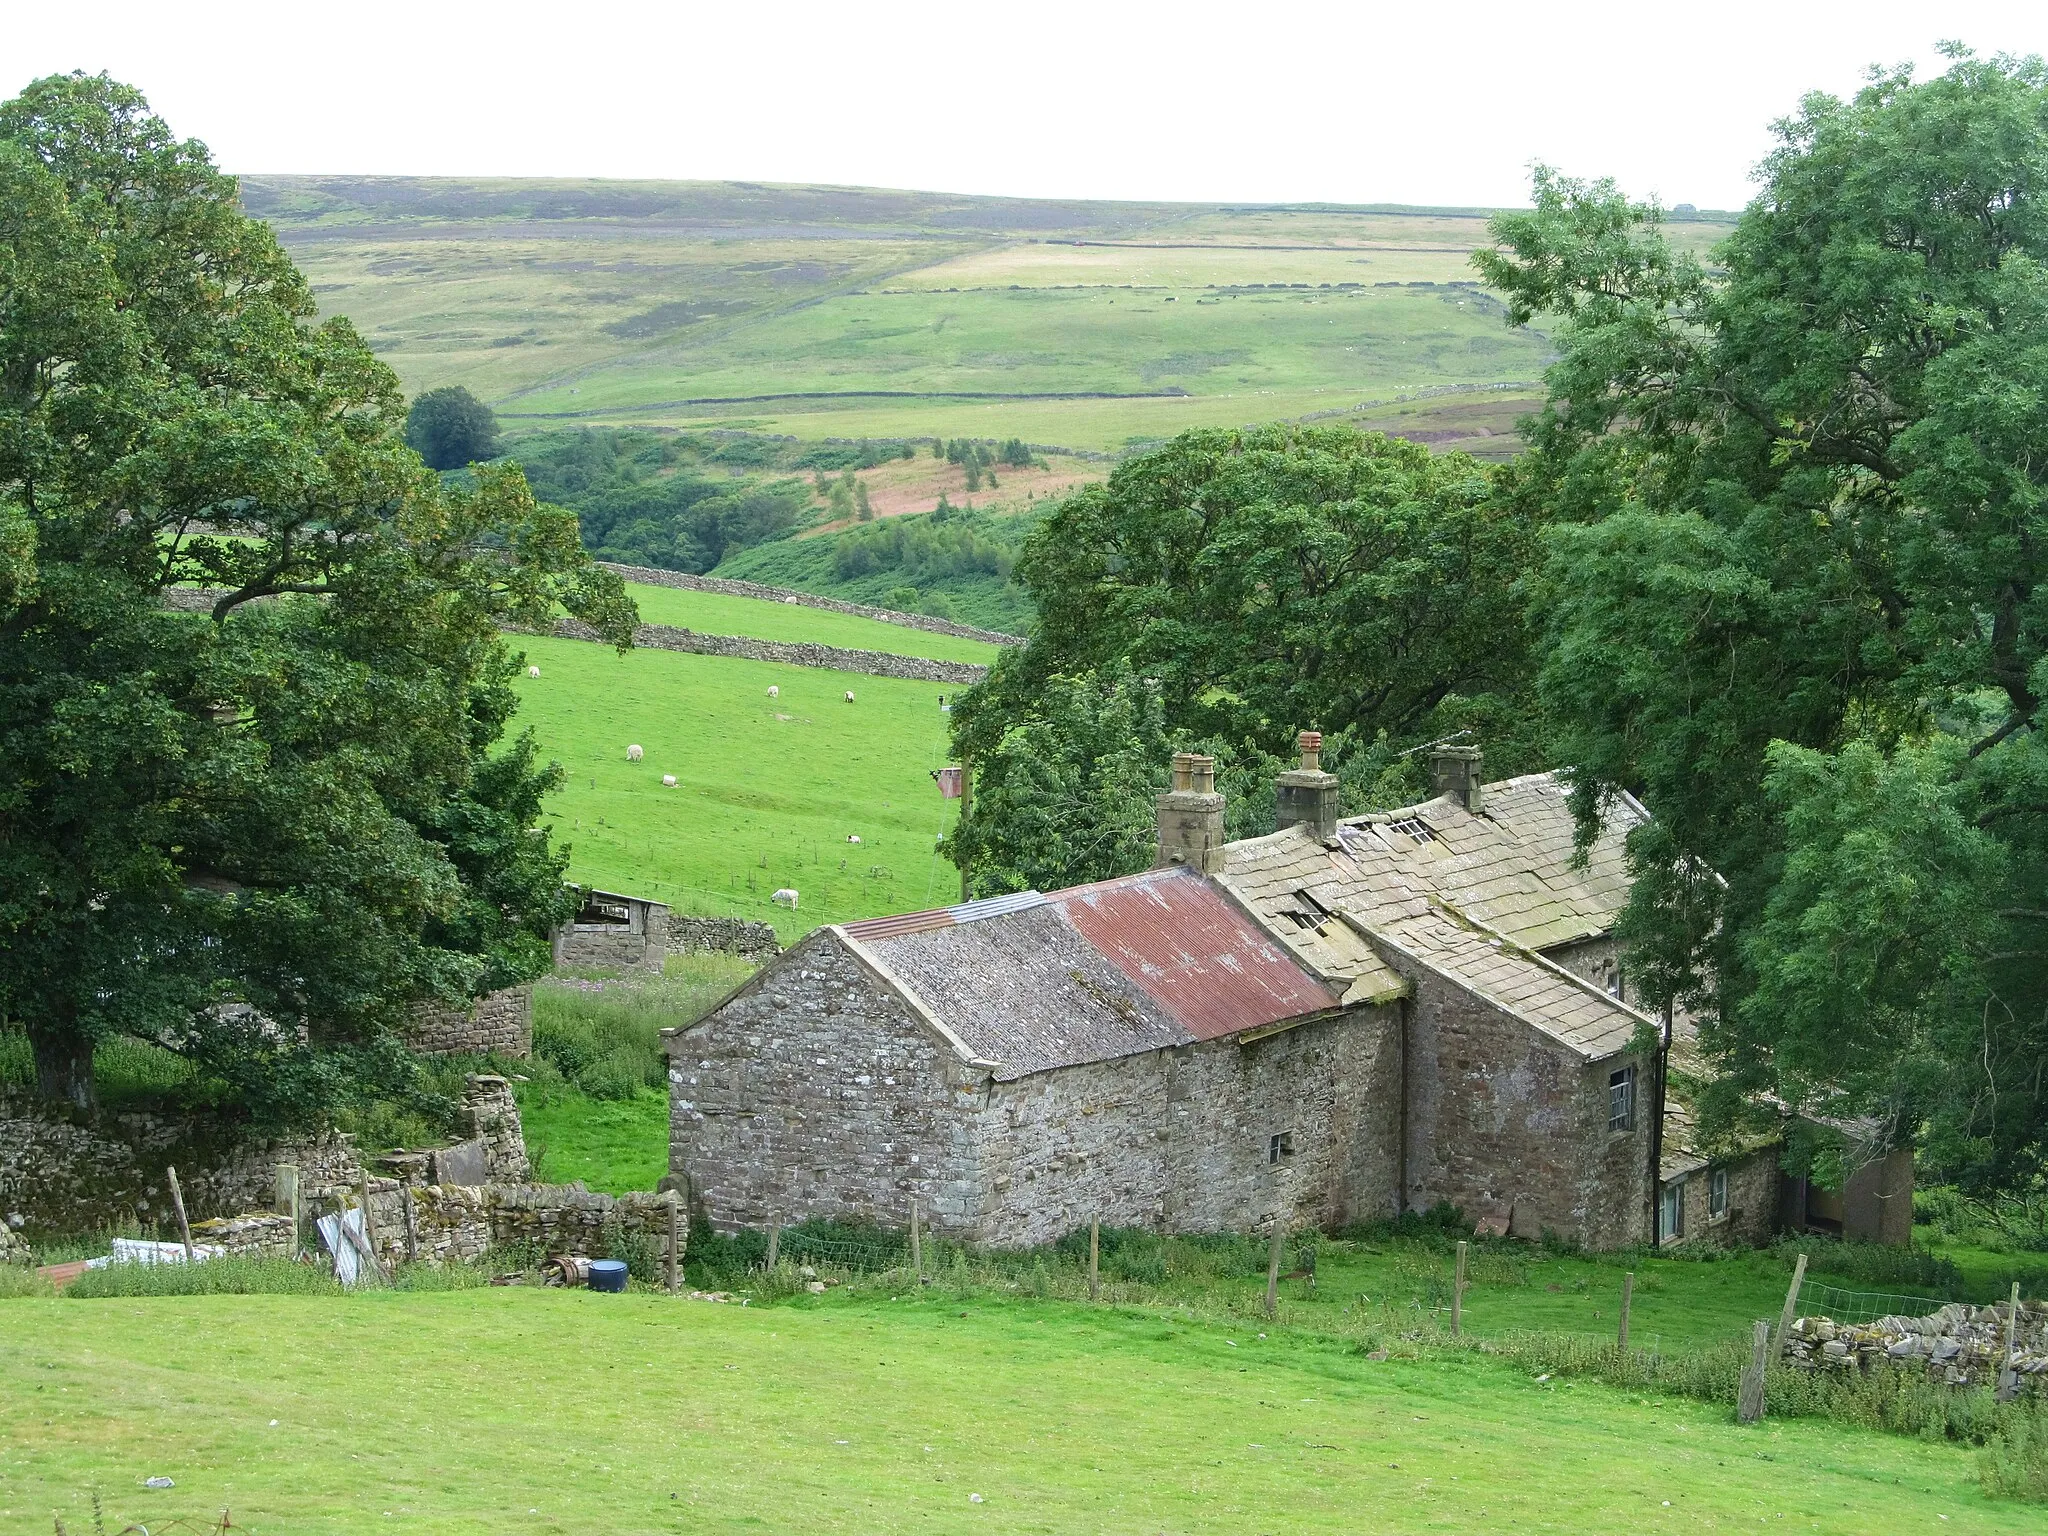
(1956, 1345)
(790, 653)
(500, 1022)
(66, 1171)
(688, 583)
(449, 1223)
(641, 945)
(815, 1092)
(724, 935)
(255, 1235)
(1506, 1123)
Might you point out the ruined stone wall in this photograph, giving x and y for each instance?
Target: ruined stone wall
(689, 583)
(1505, 1122)
(1181, 1140)
(255, 1235)
(790, 653)
(449, 1223)
(500, 1022)
(63, 1171)
(815, 1092)
(724, 935)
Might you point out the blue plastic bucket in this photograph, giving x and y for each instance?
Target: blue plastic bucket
(607, 1274)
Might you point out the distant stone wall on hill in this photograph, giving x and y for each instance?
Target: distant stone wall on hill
(649, 576)
(662, 637)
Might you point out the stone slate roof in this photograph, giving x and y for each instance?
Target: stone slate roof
(1471, 897)
(1092, 973)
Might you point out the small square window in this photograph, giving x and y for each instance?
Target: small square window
(1280, 1148)
(1621, 1100)
(1614, 987)
(1717, 1193)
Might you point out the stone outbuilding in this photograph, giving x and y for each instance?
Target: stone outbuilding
(611, 932)
(1346, 1019)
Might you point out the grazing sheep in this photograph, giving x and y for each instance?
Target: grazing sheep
(849, 695)
(786, 897)
(853, 837)
(634, 754)
(668, 781)
(774, 692)
(533, 671)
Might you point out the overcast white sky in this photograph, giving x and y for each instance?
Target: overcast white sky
(1358, 102)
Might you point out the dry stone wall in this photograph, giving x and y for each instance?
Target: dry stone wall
(1956, 1345)
(792, 653)
(449, 1223)
(688, 583)
(500, 1023)
(723, 935)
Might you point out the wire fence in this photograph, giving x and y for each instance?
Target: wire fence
(864, 1255)
(1817, 1298)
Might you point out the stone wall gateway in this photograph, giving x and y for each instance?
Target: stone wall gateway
(683, 581)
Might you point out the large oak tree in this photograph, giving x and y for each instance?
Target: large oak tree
(262, 832)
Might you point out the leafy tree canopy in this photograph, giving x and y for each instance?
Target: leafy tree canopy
(260, 832)
(1259, 583)
(450, 428)
(1795, 599)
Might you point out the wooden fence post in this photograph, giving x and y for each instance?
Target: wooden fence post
(1749, 1397)
(774, 1243)
(2008, 1373)
(369, 1228)
(1791, 1308)
(1628, 1291)
(1458, 1295)
(1094, 1249)
(178, 1205)
(669, 1259)
(287, 1202)
(916, 1247)
(1273, 1266)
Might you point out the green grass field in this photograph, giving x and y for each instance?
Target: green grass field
(769, 790)
(716, 613)
(519, 1410)
(869, 313)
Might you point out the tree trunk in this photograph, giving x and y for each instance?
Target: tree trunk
(63, 1065)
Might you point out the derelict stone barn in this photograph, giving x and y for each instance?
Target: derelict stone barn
(614, 932)
(1343, 1020)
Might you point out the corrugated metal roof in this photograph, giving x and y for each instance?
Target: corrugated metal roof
(1193, 952)
(945, 917)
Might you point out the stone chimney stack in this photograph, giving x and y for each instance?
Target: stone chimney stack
(1191, 816)
(1456, 771)
(1307, 796)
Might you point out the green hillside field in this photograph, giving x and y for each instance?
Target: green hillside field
(769, 790)
(827, 312)
(569, 1411)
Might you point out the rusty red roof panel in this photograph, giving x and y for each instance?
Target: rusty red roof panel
(1192, 952)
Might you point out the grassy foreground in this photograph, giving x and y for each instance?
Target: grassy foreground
(513, 1410)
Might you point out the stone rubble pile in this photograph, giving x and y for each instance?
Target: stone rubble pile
(1958, 1345)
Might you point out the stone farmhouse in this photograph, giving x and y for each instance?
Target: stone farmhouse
(1346, 1019)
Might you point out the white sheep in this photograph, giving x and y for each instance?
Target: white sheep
(786, 897)
(774, 692)
(668, 781)
(533, 671)
(634, 754)
(853, 837)
(849, 695)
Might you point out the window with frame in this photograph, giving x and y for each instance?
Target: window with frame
(1671, 1211)
(1717, 1194)
(1621, 1100)
(1614, 986)
(1280, 1148)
